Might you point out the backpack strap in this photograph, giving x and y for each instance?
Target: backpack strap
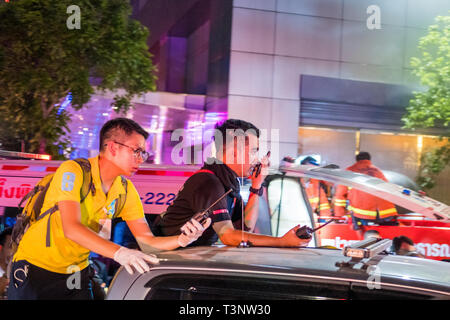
(46, 213)
(120, 203)
(30, 194)
(86, 187)
(26, 217)
(40, 199)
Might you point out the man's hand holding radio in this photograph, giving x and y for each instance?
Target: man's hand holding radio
(259, 171)
(191, 231)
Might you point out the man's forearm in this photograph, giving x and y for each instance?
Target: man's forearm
(91, 240)
(141, 231)
(159, 243)
(234, 237)
(77, 232)
(251, 211)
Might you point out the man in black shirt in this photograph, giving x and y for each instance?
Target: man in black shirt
(217, 176)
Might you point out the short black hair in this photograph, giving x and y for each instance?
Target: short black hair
(363, 155)
(4, 234)
(126, 125)
(398, 241)
(233, 124)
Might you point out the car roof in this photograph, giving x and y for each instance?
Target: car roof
(315, 262)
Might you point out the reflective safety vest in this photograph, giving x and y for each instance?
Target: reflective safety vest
(318, 197)
(362, 204)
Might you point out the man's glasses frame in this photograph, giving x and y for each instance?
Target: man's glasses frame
(136, 152)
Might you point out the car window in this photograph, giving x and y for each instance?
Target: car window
(213, 287)
(209, 287)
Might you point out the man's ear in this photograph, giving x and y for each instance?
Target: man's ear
(111, 147)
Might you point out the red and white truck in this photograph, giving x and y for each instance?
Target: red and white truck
(426, 223)
(156, 184)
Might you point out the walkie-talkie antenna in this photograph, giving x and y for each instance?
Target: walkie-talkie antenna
(306, 232)
(203, 215)
(329, 221)
(217, 201)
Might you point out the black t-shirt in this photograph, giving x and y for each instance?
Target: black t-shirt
(198, 192)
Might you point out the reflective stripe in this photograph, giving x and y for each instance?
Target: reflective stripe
(372, 213)
(324, 206)
(340, 203)
(363, 212)
(387, 212)
(220, 211)
(314, 200)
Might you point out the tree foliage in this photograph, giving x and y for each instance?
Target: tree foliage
(431, 108)
(432, 163)
(42, 60)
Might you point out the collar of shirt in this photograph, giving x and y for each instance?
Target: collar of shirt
(360, 164)
(116, 188)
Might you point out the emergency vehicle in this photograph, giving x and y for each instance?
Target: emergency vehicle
(426, 223)
(157, 184)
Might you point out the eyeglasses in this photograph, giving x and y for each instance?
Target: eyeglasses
(136, 152)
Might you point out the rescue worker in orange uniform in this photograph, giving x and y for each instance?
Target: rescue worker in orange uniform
(316, 191)
(364, 207)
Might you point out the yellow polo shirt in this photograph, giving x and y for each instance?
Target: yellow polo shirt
(64, 254)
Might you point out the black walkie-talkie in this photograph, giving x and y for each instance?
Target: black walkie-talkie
(257, 167)
(306, 232)
(205, 214)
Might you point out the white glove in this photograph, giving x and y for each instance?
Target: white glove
(191, 231)
(130, 257)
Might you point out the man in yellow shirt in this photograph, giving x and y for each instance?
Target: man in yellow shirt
(52, 258)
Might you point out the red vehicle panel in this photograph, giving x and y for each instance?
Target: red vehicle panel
(431, 238)
(157, 184)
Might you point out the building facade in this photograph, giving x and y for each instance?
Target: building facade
(325, 77)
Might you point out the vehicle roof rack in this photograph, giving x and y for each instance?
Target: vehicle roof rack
(365, 249)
